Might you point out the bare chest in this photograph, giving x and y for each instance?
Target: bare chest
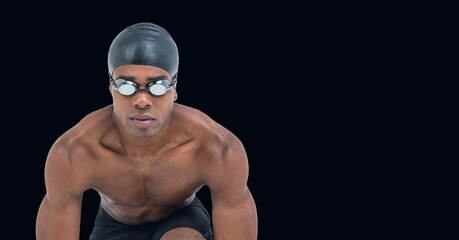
(164, 182)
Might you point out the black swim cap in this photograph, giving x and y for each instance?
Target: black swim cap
(145, 44)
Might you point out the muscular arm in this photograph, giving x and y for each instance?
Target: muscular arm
(60, 210)
(234, 213)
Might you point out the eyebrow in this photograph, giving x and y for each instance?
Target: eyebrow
(150, 79)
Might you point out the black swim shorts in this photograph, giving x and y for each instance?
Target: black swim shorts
(194, 216)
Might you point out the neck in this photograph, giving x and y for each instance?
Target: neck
(144, 146)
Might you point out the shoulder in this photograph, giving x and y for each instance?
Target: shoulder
(86, 130)
(210, 133)
(75, 147)
(220, 149)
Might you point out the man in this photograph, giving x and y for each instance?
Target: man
(147, 156)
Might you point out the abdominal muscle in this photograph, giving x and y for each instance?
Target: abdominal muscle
(149, 211)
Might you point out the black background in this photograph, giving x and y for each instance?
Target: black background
(233, 66)
(268, 73)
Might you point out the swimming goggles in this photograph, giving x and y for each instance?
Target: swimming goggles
(157, 88)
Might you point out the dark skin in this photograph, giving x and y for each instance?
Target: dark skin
(147, 156)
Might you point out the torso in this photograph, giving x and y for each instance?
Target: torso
(136, 189)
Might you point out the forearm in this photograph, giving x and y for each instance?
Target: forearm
(56, 232)
(238, 230)
(57, 225)
(236, 223)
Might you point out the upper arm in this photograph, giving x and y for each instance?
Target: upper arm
(59, 213)
(234, 213)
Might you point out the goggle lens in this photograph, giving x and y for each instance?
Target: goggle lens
(158, 89)
(126, 89)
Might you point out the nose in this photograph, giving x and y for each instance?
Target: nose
(142, 99)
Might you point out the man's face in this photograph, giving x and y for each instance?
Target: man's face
(142, 114)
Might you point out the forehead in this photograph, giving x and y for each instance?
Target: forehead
(139, 71)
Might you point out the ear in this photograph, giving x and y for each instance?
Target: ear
(110, 89)
(175, 96)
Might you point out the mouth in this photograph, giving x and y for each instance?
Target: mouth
(142, 120)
